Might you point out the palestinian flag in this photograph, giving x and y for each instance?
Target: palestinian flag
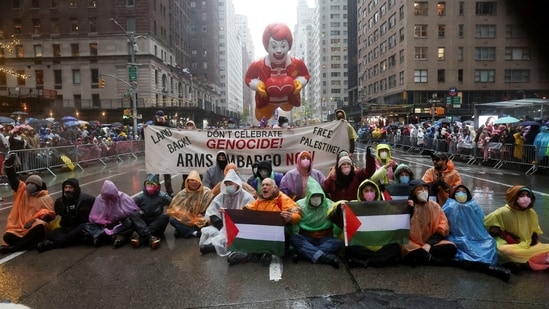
(254, 231)
(376, 223)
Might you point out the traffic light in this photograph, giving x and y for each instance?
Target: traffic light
(101, 83)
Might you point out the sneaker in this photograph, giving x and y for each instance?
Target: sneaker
(266, 259)
(205, 249)
(119, 241)
(237, 258)
(136, 242)
(6, 249)
(154, 242)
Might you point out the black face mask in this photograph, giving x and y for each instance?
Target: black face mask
(263, 173)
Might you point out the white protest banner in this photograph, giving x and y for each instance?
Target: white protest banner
(175, 151)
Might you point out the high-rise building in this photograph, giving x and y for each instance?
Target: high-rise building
(415, 56)
(55, 54)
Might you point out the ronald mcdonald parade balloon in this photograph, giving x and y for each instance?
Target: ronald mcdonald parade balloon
(277, 78)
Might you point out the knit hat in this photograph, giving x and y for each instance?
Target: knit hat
(35, 179)
(344, 159)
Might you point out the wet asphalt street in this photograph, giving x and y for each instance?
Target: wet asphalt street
(178, 276)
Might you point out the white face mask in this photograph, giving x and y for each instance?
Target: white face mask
(315, 201)
(383, 155)
(423, 196)
(230, 189)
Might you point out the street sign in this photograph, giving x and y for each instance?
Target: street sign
(132, 73)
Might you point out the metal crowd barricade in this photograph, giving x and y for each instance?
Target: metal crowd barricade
(73, 156)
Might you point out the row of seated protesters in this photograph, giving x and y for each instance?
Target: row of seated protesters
(454, 234)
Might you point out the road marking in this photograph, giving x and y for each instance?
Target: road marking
(275, 269)
(11, 256)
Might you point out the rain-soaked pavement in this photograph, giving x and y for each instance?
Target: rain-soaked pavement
(178, 276)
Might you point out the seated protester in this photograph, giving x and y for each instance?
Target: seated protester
(294, 182)
(516, 229)
(73, 209)
(32, 210)
(403, 174)
(476, 249)
(150, 222)
(264, 170)
(232, 197)
(109, 216)
(344, 183)
(271, 199)
(245, 186)
(215, 173)
(313, 238)
(428, 230)
(364, 256)
(187, 208)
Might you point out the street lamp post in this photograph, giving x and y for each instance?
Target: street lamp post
(133, 88)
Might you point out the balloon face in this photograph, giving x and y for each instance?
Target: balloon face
(278, 50)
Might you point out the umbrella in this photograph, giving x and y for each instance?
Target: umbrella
(68, 118)
(506, 120)
(72, 123)
(19, 113)
(469, 122)
(94, 123)
(530, 123)
(6, 120)
(82, 122)
(116, 124)
(444, 120)
(38, 122)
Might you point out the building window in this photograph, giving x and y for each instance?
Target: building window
(54, 24)
(75, 50)
(57, 79)
(441, 53)
(517, 76)
(485, 53)
(96, 102)
(39, 74)
(401, 34)
(392, 21)
(421, 8)
(420, 76)
(17, 25)
(401, 12)
(460, 75)
(3, 79)
(56, 50)
(441, 8)
(461, 30)
(392, 81)
(20, 80)
(486, 8)
(92, 22)
(401, 78)
(74, 25)
(401, 55)
(35, 4)
(94, 78)
(130, 24)
(392, 61)
(420, 53)
(517, 53)
(392, 41)
(460, 53)
(73, 4)
(76, 77)
(92, 3)
(93, 49)
(485, 31)
(16, 4)
(441, 73)
(514, 32)
(37, 51)
(130, 2)
(420, 31)
(441, 31)
(36, 25)
(54, 4)
(461, 8)
(19, 51)
(485, 76)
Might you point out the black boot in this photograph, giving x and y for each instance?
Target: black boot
(45, 245)
(498, 272)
